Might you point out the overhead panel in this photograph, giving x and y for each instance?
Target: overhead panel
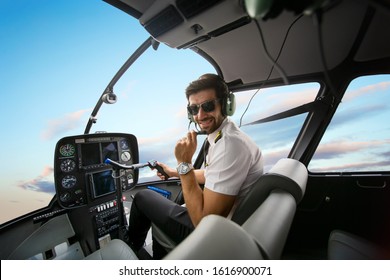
(182, 22)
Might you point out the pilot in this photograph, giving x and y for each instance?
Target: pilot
(232, 164)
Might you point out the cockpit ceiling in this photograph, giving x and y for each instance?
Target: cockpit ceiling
(224, 28)
(300, 53)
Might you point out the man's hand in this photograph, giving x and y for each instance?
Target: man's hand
(168, 170)
(186, 147)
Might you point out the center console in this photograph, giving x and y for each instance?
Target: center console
(91, 187)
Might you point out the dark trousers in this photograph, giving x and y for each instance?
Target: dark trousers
(150, 207)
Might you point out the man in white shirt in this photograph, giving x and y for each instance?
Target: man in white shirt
(233, 163)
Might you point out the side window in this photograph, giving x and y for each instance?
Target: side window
(277, 137)
(358, 138)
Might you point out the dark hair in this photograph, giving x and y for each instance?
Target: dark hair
(208, 81)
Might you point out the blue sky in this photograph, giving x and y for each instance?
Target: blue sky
(57, 57)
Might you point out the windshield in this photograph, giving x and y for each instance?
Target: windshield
(57, 60)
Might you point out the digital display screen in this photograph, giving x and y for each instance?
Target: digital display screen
(102, 183)
(110, 150)
(97, 153)
(90, 154)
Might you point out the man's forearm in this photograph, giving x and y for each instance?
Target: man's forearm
(193, 195)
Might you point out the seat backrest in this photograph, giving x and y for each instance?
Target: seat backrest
(268, 210)
(287, 174)
(260, 225)
(270, 224)
(116, 249)
(216, 238)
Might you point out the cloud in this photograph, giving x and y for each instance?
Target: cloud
(356, 113)
(271, 103)
(40, 183)
(61, 125)
(354, 166)
(271, 158)
(337, 148)
(334, 152)
(47, 171)
(369, 89)
(340, 147)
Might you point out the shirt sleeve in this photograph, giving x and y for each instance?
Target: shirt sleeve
(228, 166)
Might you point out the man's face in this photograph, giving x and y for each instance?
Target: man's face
(207, 121)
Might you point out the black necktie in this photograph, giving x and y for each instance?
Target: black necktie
(206, 147)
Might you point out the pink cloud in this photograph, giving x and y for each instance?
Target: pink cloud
(335, 148)
(272, 103)
(367, 90)
(61, 125)
(41, 183)
(366, 166)
(47, 170)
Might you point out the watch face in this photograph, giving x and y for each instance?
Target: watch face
(184, 168)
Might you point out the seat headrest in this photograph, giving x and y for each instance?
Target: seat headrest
(287, 174)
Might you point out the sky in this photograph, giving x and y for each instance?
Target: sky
(57, 57)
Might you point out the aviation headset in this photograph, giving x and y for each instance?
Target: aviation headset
(228, 102)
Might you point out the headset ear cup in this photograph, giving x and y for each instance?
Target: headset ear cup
(230, 105)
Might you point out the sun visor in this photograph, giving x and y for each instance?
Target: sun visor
(185, 22)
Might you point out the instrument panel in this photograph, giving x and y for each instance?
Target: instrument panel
(80, 173)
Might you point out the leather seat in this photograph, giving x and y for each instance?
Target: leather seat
(116, 249)
(343, 245)
(287, 178)
(216, 238)
(260, 225)
(288, 175)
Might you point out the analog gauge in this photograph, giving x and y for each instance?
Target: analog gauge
(124, 145)
(67, 150)
(125, 156)
(69, 181)
(64, 197)
(67, 165)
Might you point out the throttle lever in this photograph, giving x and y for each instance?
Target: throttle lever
(154, 164)
(151, 164)
(123, 166)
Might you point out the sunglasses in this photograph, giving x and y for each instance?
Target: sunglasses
(207, 106)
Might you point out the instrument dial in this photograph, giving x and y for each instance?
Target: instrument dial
(65, 197)
(67, 165)
(69, 181)
(124, 145)
(125, 156)
(67, 150)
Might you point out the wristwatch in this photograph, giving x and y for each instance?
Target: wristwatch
(184, 167)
